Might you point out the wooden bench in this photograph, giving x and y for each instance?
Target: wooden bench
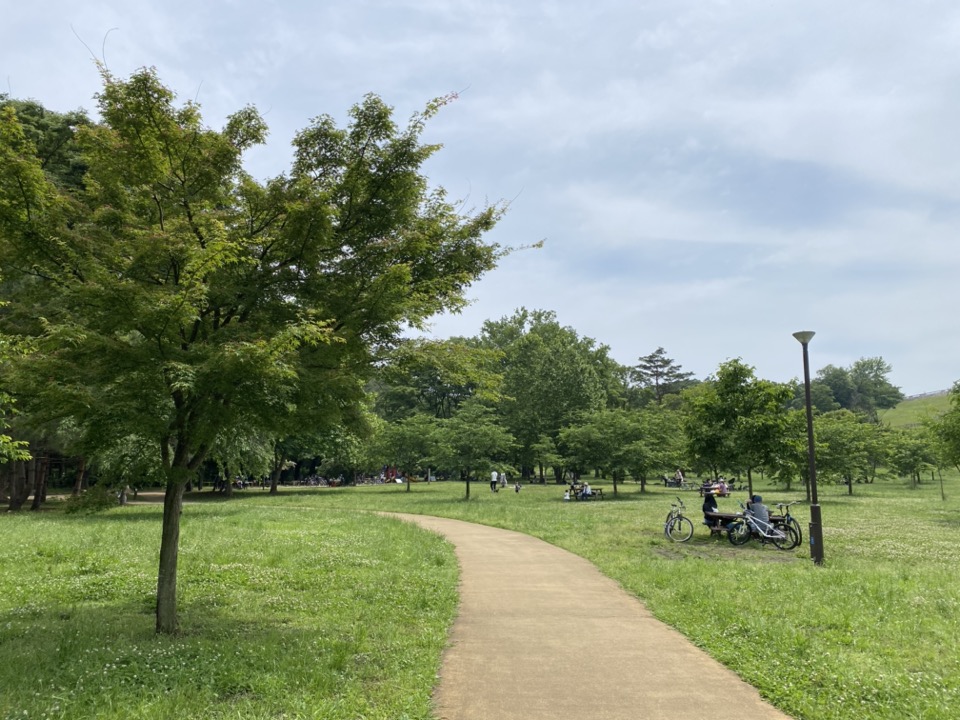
(723, 519)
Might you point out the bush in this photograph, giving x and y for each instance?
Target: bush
(97, 498)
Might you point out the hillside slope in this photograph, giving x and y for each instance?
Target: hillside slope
(914, 410)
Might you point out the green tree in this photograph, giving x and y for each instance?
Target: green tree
(595, 442)
(863, 388)
(545, 454)
(436, 376)
(838, 380)
(947, 429)
(843, 447)
(620, 442)
(52, 135)
(662, 448)
(659, 375)
(410, 444)
(550, 376)
(175, 298)
(10, 450)
(911, 452)
(736, 421)
(874, 391)
(472, 441)
(821, 397)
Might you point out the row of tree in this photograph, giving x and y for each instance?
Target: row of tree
(567, 407)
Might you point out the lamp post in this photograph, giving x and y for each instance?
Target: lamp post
(816, 527)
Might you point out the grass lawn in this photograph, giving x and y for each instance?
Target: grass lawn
(299, 606)
(286, 612)
(914, 411)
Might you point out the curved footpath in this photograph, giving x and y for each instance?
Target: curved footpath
(542, 634)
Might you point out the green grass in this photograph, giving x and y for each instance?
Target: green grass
(913, 411)
(299, 606)
(286, 613)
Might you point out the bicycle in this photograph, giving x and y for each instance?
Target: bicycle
(745, 528)
(678, 527)
(787, 519)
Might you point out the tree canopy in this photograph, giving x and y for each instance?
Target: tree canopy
(862, 388)
(659, 375)
(172, 297)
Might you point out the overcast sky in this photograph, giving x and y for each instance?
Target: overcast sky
(709, 177)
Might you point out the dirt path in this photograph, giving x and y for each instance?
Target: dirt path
(542, 634)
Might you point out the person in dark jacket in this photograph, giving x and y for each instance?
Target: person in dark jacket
(710, 506)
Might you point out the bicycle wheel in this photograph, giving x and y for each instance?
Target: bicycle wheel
(679, 529)
(784, 537)
(796, 528)
(738, 532)
(666, 525)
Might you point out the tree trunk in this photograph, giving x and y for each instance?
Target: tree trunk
(169, 552)
(17, 496)
(40, 486)
(749, 483)
(6, 480)
(227, 482)
(78, 481)
(468, 484)
(275, 475)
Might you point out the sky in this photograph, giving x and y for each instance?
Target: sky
(708, 176)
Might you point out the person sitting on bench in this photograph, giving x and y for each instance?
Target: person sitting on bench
(759, 511)
(709, 507)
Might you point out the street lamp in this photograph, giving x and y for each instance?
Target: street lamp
(816, 527)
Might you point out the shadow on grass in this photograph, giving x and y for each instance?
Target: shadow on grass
(112, 649)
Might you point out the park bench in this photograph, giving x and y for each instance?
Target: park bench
(724, 519)
(577, 493)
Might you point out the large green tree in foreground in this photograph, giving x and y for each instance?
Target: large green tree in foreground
(172, 297)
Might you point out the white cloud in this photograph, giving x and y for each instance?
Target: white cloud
(710, 176)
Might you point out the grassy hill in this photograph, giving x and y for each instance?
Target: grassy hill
(914, 410)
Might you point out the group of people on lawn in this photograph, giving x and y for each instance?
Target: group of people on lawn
(499, 480)
(755, 507)
(578, 491)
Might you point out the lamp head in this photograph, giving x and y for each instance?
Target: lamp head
(804, 336)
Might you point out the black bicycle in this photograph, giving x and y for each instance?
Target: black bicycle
(787, 519)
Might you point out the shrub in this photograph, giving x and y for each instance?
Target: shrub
(99, 497)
